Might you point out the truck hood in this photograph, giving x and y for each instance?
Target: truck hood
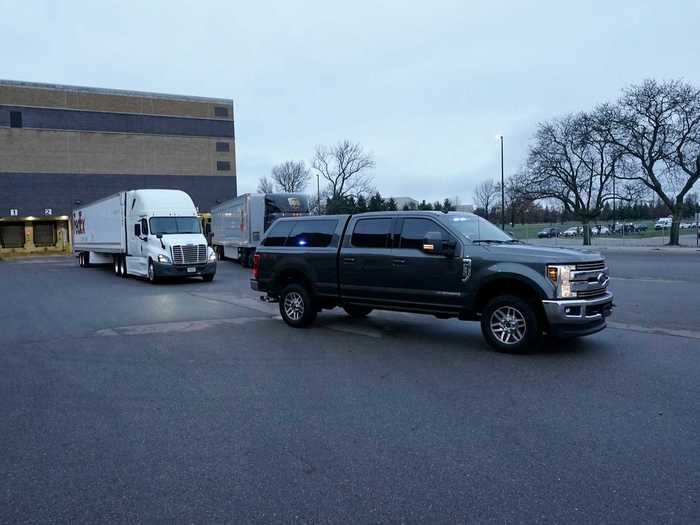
(177, 239)
(531, 253)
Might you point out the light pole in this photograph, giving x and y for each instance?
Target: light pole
(503, 190)
(318, 192)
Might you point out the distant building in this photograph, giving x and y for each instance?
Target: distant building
(63, 145)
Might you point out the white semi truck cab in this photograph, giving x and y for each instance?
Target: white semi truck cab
(148, 233)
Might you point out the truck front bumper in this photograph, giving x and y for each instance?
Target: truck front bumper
(576, 317)
(172, 270)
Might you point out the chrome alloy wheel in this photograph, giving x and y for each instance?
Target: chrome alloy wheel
(151, 273)
(508, 325)
(294, 305)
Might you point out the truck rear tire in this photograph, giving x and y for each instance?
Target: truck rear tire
(509, 324)
(122, 267)
(296, 306)
(116, 265)
(357, 311)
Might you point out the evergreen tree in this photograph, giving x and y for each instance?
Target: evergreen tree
(447, 205)
(361, 206)
(437, 206)
(376, 203)
(391, 205)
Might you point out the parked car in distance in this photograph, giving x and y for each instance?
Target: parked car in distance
(574, 231)
(548, 233)
(450, 265)
(600, 230)
(663, 223)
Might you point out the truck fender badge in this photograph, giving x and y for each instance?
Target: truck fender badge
(466, 269)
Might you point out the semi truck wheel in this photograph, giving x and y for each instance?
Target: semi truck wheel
(208, 278)
(509, 324)
(357, 311)
(296, 306)
(122, 267)
(152, 277)
(116, 265)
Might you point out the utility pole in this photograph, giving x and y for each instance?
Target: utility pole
(503, 191)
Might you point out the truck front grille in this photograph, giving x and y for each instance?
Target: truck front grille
(589, 266)
(590, 294)
(190, 254)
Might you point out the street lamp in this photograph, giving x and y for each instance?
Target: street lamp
(503, 190)
(318, 192)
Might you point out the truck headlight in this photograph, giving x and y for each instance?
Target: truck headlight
(164, 259)
(212, 255)
(560, 277)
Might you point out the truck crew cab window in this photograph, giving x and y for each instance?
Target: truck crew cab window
(313, 234)
(414, 231)
(371, 233)
(277, 235)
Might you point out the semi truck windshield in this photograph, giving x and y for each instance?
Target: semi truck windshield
(172, 225)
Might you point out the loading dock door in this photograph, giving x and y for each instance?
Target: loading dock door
(12, 235)
(44, 234)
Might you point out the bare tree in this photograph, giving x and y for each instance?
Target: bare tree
(572, 162)
(291, 176)
(656, 125)
(484, 194)
(345, 167)
(265, 185)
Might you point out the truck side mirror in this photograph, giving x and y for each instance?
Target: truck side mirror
(433, 243)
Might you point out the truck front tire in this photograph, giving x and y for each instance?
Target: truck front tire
(152, 277)
(509, 324)
(296, 306)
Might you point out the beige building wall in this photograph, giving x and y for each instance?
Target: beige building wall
(118, 102)
(41, 151)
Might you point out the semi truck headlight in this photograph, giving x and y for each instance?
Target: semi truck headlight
(560, 276)
(212, 255)
(164, 259)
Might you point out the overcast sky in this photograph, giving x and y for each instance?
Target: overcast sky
(425, 86)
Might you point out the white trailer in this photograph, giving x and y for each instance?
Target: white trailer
(237, 225)
(149, 233)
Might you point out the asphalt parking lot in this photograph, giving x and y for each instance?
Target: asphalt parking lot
(193, 402)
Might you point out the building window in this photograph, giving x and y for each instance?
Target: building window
(223, 146)
(15, 119)
(223, 165)
(220, 111)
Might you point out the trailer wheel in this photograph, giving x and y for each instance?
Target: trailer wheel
(116, 265)
(86, 259)
(243, 258)
(80, 259)
(122, 266)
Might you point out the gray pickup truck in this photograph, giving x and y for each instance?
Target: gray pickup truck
(450, 265)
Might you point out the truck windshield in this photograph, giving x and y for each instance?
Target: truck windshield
(476, 229)
(171, 225)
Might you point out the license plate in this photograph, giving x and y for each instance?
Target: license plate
(191, 269)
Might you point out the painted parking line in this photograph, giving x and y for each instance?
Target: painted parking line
(688, 334)
(178, 326)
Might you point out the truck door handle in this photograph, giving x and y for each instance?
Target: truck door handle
(398, 261)
(349, 260)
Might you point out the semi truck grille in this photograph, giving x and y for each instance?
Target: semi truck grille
(587, 266)
(190, 254)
